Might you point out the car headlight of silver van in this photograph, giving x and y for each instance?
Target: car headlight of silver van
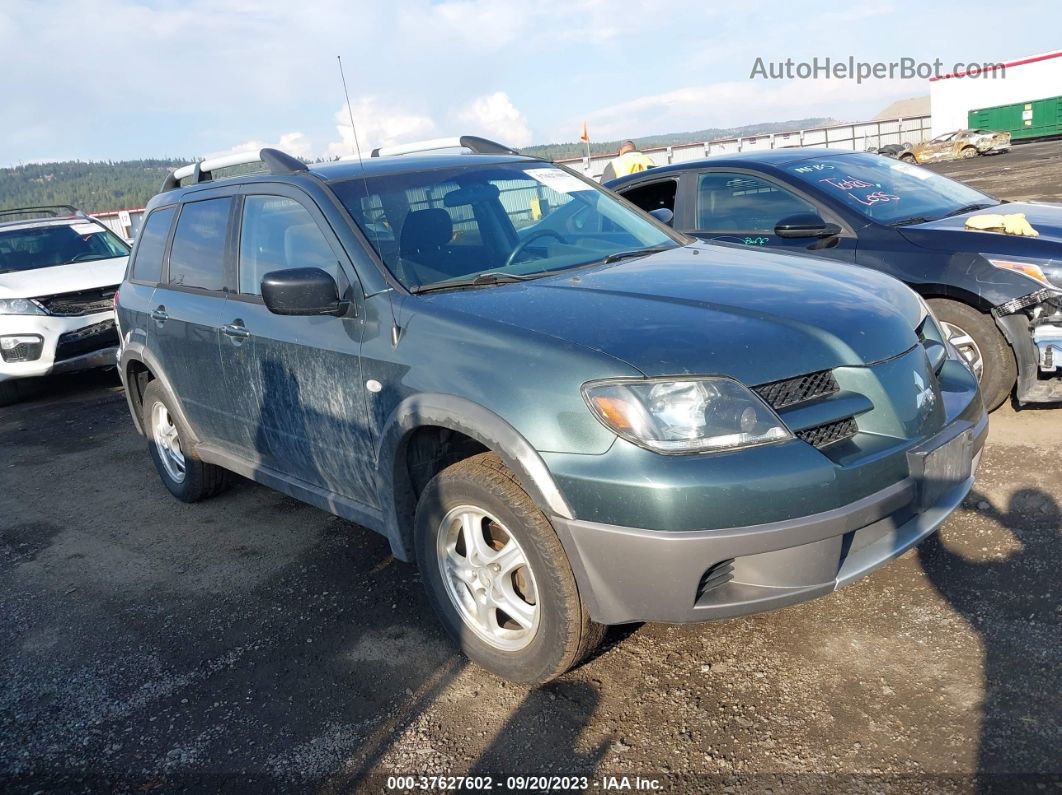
(684, 415)
(20, 306)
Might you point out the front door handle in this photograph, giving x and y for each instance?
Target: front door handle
(236, 330)
(159, 315)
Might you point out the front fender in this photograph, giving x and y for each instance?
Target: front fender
(475, 421)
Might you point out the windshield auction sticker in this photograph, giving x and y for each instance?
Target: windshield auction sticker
(560, 181)
(86, 229)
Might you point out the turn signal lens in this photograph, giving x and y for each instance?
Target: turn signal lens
(1034, 272)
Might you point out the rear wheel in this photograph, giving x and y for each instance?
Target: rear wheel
(982, 346)
(187, 478)
(907, 157)
(967, 152)
(497, 575)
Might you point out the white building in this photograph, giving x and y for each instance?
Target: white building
(1028, 79)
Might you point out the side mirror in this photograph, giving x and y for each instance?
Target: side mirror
(301, 291)
(805, 225)
(663, 215)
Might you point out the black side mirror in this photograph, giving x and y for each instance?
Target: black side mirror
(302, 291)
(663, 215)
(805, 225)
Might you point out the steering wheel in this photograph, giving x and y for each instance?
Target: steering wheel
(527, 241)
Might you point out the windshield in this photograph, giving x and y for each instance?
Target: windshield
(518, 219)
(886, 190)
(28, 248)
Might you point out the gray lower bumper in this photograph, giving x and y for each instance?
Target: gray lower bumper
(627, 575)
(104, 357)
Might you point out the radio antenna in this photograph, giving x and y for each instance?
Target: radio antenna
(350, 111)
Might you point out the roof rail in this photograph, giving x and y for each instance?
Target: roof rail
(44, 211)
(276, 162)
(477, 145)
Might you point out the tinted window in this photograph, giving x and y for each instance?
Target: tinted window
(147, 266)
(197, 256)
(277, 234)
(729, 202)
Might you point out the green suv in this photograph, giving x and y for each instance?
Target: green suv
(567, 414)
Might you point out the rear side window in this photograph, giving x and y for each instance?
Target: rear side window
(147, 266)
(197, 255)
(279, 233)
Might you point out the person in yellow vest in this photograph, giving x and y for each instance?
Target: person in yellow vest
(628, 161)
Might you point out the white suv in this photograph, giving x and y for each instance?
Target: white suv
(59, 271)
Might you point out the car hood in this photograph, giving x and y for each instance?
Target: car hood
(62, 278)
(709, 309)
(950, 234)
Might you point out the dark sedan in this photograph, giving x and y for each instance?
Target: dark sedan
(998, 296)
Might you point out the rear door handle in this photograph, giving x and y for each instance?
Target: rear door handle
(236, 330)
(159, 315)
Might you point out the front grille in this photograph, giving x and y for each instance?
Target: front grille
(822, 435)
(86, 340)
(84, 302)
(780, 394)
(716, 575)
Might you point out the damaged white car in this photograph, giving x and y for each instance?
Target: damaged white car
(59, 271)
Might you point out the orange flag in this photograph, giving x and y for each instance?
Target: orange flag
(586, 134)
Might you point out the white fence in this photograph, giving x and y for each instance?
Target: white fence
(859, 136)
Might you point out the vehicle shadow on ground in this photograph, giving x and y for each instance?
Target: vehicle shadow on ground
(1019, 632)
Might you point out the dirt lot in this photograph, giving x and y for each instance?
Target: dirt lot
(260, 643)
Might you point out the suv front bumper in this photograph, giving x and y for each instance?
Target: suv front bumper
(69, 343)
(626, 574)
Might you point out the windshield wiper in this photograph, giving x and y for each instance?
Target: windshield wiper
(638, 252)
(969, 208)
(918, 219)
(480, 280)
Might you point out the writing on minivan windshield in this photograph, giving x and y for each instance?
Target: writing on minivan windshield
(446, 227)
(888, 191)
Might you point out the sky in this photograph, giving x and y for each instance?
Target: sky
(118, 79)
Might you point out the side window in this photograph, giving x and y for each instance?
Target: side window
(654, 195)
(197, 256)
(729, 202)
(147, 266)
(279, 233)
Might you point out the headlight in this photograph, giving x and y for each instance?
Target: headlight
(684, 416)
(20, 306)
(1030, 269)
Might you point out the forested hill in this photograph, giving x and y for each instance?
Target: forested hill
(578, 148)
(94, 187)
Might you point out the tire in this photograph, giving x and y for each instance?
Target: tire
(9, 393)
(480, 495)
(968, 152)
(189, 480)
(978, 339)
(908, 158)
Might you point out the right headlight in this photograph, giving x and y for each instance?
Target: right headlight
(684, 415)
(20, 306)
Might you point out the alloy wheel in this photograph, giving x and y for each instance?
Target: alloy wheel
(966, 346)
(168, 442)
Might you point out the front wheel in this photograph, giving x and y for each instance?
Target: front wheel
(968, 152)
(497, 575)
(982, 346)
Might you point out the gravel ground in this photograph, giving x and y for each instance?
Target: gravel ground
(256, 643)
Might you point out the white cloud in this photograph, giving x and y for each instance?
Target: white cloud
(378, 125)
(495, 116)
(736, 103)
(294, 143)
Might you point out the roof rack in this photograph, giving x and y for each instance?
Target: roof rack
(475, 144)
(45, 211)
(276, 162)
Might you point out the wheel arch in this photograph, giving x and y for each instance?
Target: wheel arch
(473, 429)
(138, 367)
